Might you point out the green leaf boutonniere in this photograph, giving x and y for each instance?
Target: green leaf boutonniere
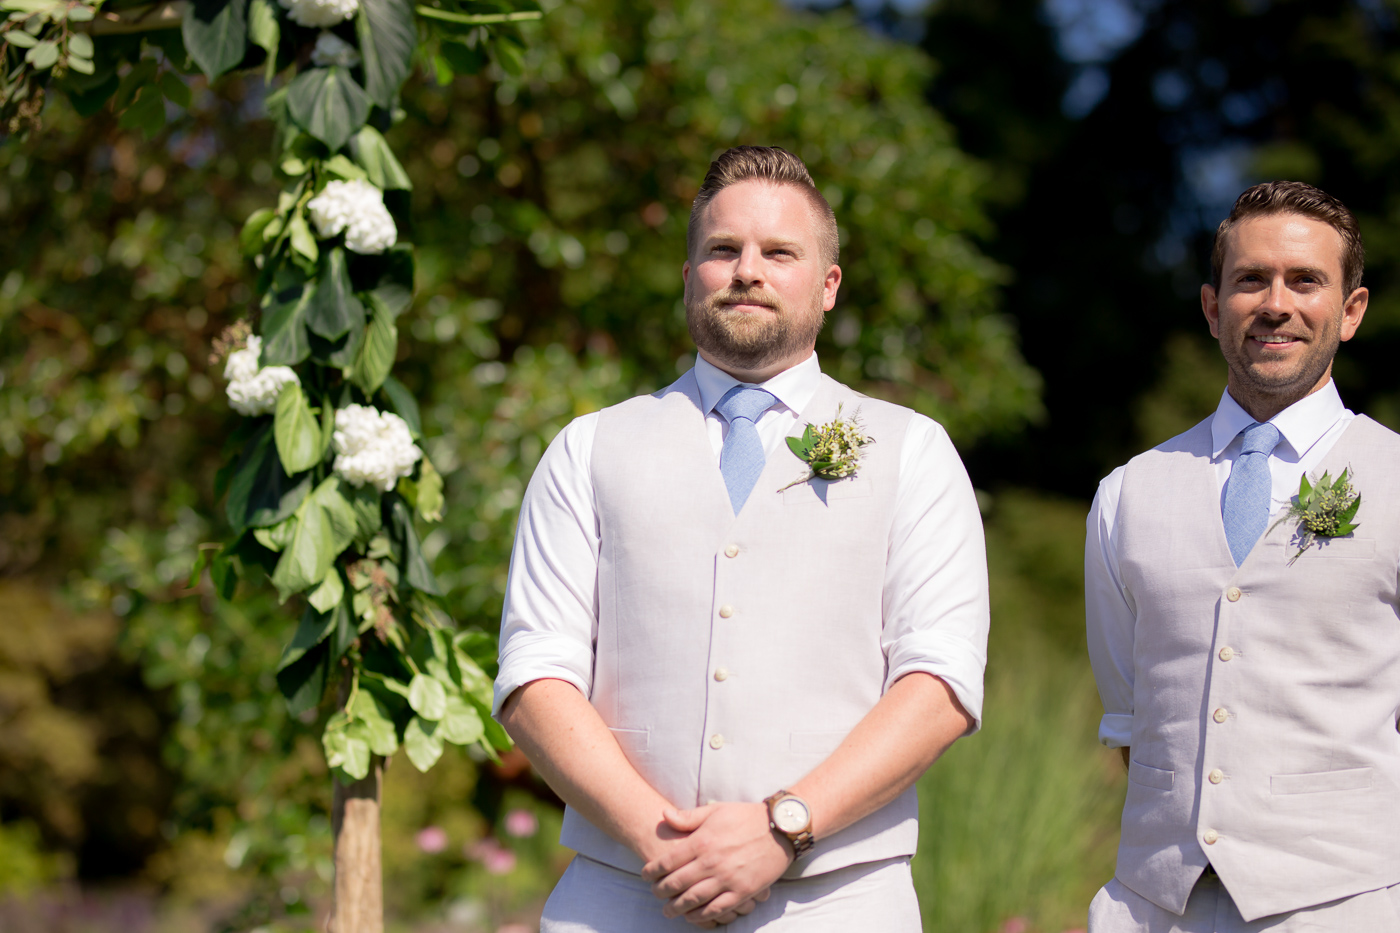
(1324, 510)
(831, 451)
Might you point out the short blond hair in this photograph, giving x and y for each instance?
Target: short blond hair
(771, 164)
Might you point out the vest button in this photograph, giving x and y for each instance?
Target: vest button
(1220, 715)
(1227, 653)
(726, 611)
(1216, 776)
(716, 741)
(721, 674)
(1210, 837)
(731, 551)
(1233, 594)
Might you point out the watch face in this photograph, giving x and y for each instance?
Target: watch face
(790, 815)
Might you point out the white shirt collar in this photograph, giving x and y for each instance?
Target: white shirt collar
(1301, 424)
(793, 387)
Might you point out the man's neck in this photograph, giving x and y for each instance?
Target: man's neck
(762, 374)
(1263, 406)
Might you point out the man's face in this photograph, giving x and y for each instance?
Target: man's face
(758, 285)
(1282, 308)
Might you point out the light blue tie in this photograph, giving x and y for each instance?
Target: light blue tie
(1249, 491)
(741, 458)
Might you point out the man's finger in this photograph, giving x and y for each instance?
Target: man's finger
(697, 897)
(686, 821)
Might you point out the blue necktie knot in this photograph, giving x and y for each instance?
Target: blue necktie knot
(1249, 490)
(741, 459)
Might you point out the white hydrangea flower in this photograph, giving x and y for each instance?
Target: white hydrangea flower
(320, 13)
(251, 390)
(372, 446)
(333, 50)
(356, 207)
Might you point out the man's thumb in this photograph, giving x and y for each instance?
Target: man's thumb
(685, 821)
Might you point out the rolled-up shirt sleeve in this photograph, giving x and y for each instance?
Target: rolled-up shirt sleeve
(936, 605)
(1110, 616)
(550, 620)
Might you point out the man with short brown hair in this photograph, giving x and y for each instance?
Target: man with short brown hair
(1247, 655)
(733, 670)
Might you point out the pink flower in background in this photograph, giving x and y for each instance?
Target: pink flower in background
(515, 928)
(494, 857)
(431, 839)
(1016, 925)
(521, 823)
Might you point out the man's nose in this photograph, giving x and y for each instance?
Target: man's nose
(1278, 300)
(749, 269)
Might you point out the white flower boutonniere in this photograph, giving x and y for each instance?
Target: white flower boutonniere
(1323, 510)
(831, 451)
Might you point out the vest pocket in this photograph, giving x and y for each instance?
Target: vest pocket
(1148, 776)
(632, 740)
(1343, 548)
(825, 490)
(1319, 782)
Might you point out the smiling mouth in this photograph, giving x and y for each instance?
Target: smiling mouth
(1273, 339)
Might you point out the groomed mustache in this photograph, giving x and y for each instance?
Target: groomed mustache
(752, 296)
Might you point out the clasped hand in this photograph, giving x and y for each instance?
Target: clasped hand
(722, 866)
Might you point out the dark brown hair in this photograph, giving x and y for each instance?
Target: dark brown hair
(1295, 197)
(770, 164)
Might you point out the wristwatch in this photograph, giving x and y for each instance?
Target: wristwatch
(789, 814)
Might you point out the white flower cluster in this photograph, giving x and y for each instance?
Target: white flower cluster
(320, 13)
(333, 50)
(372, 446)
(253, 391)
(357, 207)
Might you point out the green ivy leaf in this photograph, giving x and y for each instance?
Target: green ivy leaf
(376, 722)
(404, 405)
(330, 593)
(427, 697)
(423, 743)
(250, 238)
(277, 536)
(495, 737)
(175, 90)
(388, 39)
(284, 327)
(365, 500)
(371, 151)
(21, 39)
(325, 527)
(216, 34)
(296, 430)
(301, 674)
(346, 746)
(328, 104)
(80, 44)
(146, 113)
(342, 167)
(429, 492)
(461, 723)
(42, 55)
(266, 33)
(415, 567)
(334, 310)
(299, 232)
(376, 359)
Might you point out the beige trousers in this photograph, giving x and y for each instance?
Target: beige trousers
(1210, 909)
(877, 896)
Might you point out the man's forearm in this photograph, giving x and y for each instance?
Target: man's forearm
(906, 731)
(568, 743)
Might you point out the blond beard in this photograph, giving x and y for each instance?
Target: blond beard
(749, 341)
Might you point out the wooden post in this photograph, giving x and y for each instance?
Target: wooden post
(359, 879)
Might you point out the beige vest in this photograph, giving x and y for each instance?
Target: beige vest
(1265, 698)
(734, 653)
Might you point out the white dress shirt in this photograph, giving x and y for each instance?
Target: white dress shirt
(1309, 429)
(935, 597)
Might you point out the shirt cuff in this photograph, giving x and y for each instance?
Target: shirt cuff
(954, 661)
(530, 656)
(1116, 729)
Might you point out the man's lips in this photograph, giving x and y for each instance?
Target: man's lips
(1274, 340)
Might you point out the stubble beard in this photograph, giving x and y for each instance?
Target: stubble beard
(1283, 388)
(747, 340)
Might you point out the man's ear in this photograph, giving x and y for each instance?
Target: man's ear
(1210, 306)
(1353, 311)
(685, 273)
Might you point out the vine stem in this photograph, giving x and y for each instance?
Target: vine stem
(168, 15)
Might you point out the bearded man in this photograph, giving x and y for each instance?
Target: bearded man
(733, 673)
(1248, 657)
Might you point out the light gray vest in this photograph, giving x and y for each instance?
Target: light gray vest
(1284, 748)
(734, 653)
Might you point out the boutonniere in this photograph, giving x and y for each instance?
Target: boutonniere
(1324, 510)
(831, 451)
